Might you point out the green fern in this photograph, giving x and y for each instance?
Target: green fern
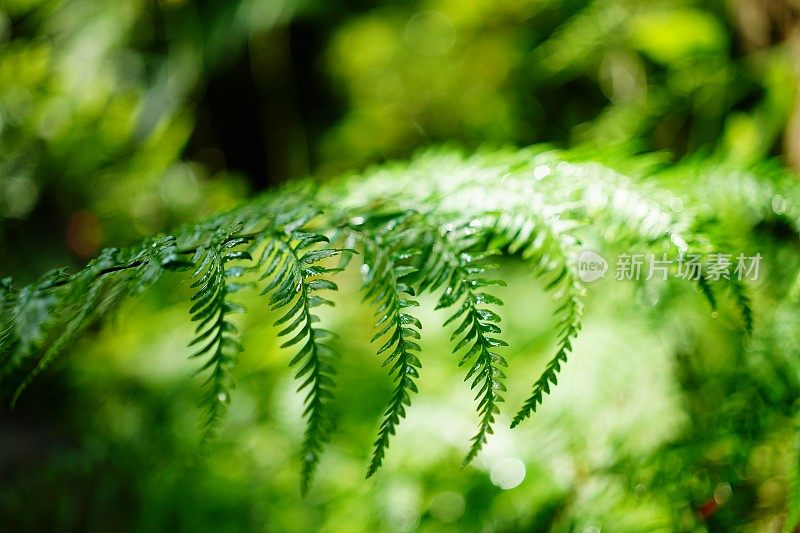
(215, 336)
(290, 261)
(477, 324)
(430, 226)
(549, 248)
(388, 275)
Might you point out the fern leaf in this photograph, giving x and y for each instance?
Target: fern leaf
(216, 338)
(477, 324)
(388, 279)
(550, 253)
(73, 302)
(291, 263)
(432, 225)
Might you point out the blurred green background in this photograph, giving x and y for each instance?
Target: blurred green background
(120, 119)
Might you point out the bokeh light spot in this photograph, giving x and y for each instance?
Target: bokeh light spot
(508, 473)
(18, 195)
(647, 296)
(779, 204)
(430, 33)
(448, 506)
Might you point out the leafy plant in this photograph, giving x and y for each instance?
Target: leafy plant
(431, 226)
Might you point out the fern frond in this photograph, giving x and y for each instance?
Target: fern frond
(477, 324)
(428, 226)
(291, 262)
(216, 338)
(388, 276)
(632, 215)
(85, 297)
(550, 250)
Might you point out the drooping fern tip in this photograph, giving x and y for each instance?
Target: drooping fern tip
(433, 225)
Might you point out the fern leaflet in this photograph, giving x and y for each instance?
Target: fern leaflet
(476, 323)
(387, 285)
(292, 264)
(215, 335)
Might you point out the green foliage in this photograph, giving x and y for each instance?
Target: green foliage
(388, 275)
(428, 227)
(290, 261)
(215, 334)
(660, 75)
(477, 322)
(549, 250)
